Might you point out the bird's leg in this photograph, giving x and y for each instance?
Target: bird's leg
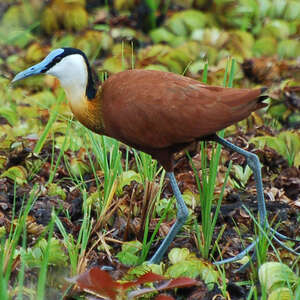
(253, 162)
(182, 214)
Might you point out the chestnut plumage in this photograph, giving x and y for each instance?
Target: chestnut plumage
(159, 113)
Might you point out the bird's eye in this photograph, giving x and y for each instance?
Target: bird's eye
(57, 59)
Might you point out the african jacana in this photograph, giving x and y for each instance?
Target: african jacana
(159, 113)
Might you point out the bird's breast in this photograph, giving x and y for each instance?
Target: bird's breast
(89, 113)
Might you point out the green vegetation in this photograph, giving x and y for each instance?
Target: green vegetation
(70, 199)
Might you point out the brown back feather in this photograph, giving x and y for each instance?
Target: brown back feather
(154, 111)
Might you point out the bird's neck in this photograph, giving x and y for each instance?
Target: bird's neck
(88, 111)
(78, 85)
(84, 100)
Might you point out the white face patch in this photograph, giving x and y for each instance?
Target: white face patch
(73, 75)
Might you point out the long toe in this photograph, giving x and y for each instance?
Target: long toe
(238, 256)
(282, 236)
(285, 247)
(275, 235)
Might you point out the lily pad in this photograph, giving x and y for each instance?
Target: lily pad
(161, 35)
(289, 49)
(75, 17)
(277, 8)
(92, 41)
(276, 28)
(292, 11)
(265, 46)
(114, 64)
(182, 23)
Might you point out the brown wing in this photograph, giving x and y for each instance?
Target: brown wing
(152, 109)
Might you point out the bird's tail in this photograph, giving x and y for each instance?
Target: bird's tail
(261, 98)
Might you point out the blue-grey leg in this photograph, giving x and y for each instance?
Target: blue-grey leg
(238, 256)
(253, 162)
(182, 214)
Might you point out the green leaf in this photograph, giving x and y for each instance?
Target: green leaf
(73, 143)
(239, 14)
(186, 264)
(277, 8)
(281, 294)
(265, 46)
(190, 198)
(161, 206)
(242, 174)
(197, 66)
(209, 275)
(128, 254)
(177, 26)
(126, 178)
(17, 174)
(178, 254)
(184, 268)
(56, 190)
(9, 114)
(161, 35)
(264, 6)
(44, 98)
(92, 41)
(277, 111)
(132, 247)
(33, 257)
(75, 17)
(113, 65)
(79, 167)
(287, 144)
(127, 258)
(157, 67)
(154, 52)
(186, 21)
(277, 28)
(273, 273)
(297, 160)
(292, 11)
(289, 49)
(240, 44)
(211, 36)
(193, 19)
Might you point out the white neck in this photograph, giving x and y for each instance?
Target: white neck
(73, 75)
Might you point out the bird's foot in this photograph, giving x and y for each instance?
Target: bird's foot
(274, 235)
(238, 256)
(278, 237)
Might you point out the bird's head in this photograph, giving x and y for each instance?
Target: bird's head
(71, 67)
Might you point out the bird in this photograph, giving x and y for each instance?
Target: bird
(159, 113)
